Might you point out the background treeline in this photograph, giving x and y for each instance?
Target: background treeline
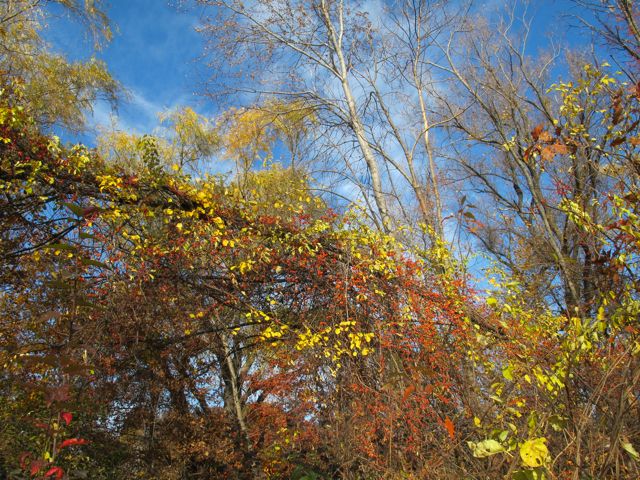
(316, 314)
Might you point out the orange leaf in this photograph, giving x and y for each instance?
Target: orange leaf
(546, 137)
(451, 429)
(560, 148)
(408, 391)
(547, 153)
(551, 151)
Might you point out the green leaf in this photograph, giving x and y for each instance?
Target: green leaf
(87, 304)
(76, 209)
(557, 422)
(485, 448)
(93, 263)
(536, 474)
(62, 284)
(87, 236)
(61, 246)
(532, 421)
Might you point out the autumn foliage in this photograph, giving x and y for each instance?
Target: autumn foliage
(160, 322)
(166, 311)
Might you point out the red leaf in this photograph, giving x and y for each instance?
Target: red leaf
(35, 467)
(24, 456)
(67, 417)
(72, 441)
(57, 470)
(451, 429)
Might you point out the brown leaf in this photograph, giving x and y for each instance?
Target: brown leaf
(547, 153)
(618, 141)
(617, 109)
(546, 137)
(527, 153)
(537, 131)
(551, 151)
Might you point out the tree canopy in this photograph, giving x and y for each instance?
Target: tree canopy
(314, 314)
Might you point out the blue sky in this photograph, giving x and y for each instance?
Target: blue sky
(154, 53)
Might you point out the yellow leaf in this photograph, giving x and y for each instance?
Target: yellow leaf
(485, 448)
(628, 447)
(534, 453)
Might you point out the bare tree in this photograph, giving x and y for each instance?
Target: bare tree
(366, 73)
(617, 23)
(500, 110)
